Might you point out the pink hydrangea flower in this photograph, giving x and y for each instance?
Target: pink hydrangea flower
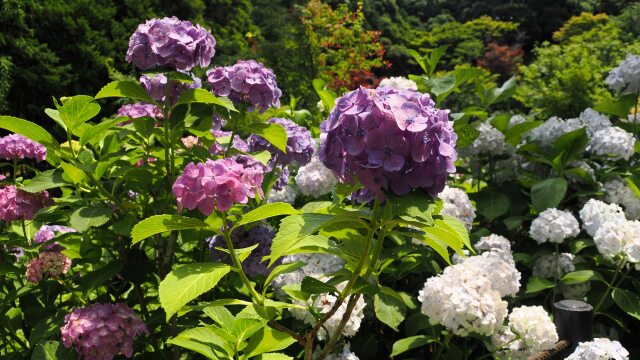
(16, 146)
(49, 263)
(217, 184)
(16, 204)
(190, 141)
(102, 331)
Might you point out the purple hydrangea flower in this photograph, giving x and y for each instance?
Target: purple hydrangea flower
(300, 145)
(217, 185)
(16, 146)
(17, 204)
(283, 179)
(246, 81)
(140, 110)
(102, 331)
(389, 139)
(241, 238)
(156, 86)
(48, 232)
(170, 42)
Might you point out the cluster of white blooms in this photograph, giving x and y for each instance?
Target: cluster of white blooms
(552, 266)
(490, 141)
(516, 120)
(458, 205)
(612, 141)
(625, 79)
(554, 225)
(618, 191)
(594, 121)
(505, 278)
(317, 266)
(599, 349)
(323, 304)
(287, 194)
(315, 179)
(530, 330)
(552, 129)
(399, 83)
(494, 243)
(345, 354)
(463, 301)
(611, 231)
(595, 213)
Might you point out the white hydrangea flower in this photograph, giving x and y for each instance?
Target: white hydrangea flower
(463, 301)
(554, 225)
(551, 266)
(458, 205)
(317, 265)
(618, 191)
(552, 129)
(612, 141)
(490, 141)
(595, 213)
(399, 83)
(315, 179)
(530, 331)
(505, 278)
(625, 79)
(287, 194)
(516, 120)
(496, 243)
(323, 304)
(594, 121)
(345, 354)
(614, 238)
(456, 258)
(599, 349)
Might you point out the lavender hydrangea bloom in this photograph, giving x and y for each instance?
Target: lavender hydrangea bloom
(389, 139)
(242, 238)
(48, 232)
(139, 110)
(102, 331)
(300, 145)
(246, 81)
(156, 86)
(170, 42)
(283, 179)
(16, 146)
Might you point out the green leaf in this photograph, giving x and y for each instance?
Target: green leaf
(267, 340)
(327, 97)
(513, 136)
(127, 89)
(90, 216)
(293, 229)
(456, 226)
(52, 350)
(186, 282)
(220, 315)
(55, 115)
(548, 193)
(77, 110)
(273, 133)
(96, 278)
(571, 145)
(97, 130)
(627, 301)
(580, 276)
(537, 284)
(418, 208)
(73, 173)
(44, 180)
(203, 96)
(203, 340)
(441, 85)
(283, 269)
(467, 134)
(28, 129)
(274, 356)
(312, 286)
(406, 344)
(160, 223)
(619, 107)
(6, 268)
(502, 93)
(266, 211)
(389, 309)
(492, 204)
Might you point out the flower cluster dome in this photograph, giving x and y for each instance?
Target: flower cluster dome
(244, 238)
(389, 139)
(170, 42)
(49, 263)
(314, 179)
(554, 226)
(18, 147)
(17, 204)
(247, 81)
(625, 79)
(458, 205)
(599, 349)
(156, 87)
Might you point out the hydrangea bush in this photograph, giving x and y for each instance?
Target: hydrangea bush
(201, 220)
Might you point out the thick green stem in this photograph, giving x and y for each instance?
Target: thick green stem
(447, 339)
(609, 286)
